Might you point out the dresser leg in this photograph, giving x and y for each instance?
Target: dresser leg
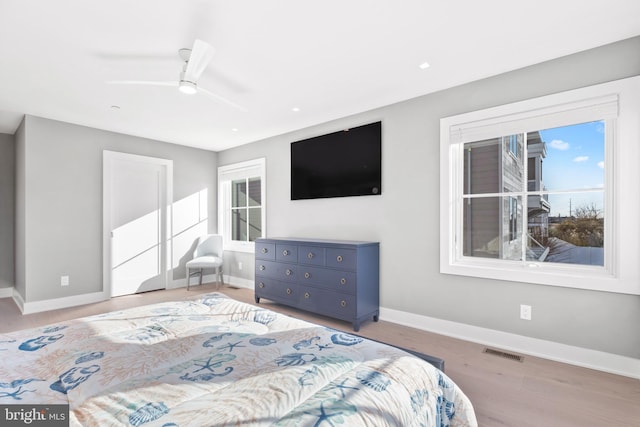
(257, 299)
(376, 317)
(356, 326)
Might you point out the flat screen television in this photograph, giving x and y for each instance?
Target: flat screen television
(339, 164)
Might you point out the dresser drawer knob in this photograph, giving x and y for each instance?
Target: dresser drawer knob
(343, 281)
(262, 267)
(307, 275)
(306, 295)
(288, 272)
(285, 252)
(289, 291)
(339, 258)
(261, 285)
(310, 255)
(265, 250)
(343, 303)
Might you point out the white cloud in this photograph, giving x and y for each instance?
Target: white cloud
(559, 145)
(601, 165)
(581, 159)
(599, 126)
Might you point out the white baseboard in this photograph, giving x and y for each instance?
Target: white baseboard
(72, 301)
(239, 282)
(57, 303)
(586, 358)
(234, 282)
(6, 292)
(17, 298)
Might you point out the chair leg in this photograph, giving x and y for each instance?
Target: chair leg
(188, 276)
(219, 279)
(200, 282)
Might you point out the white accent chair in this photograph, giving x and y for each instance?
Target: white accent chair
(207, 255)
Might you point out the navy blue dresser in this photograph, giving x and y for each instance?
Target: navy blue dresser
(334, 278)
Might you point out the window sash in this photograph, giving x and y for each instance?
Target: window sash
(245, 216)
(522, 195)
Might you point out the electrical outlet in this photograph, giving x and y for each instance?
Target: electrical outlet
(64, 280)
(525, 312)
(239, 266)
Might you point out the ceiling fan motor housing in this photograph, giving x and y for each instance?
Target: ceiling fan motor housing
(187, 86)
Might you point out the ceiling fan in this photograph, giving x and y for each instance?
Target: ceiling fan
(195, 62)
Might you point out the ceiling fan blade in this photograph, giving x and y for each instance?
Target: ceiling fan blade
(201, 54)
(221, 99)
(142, 82)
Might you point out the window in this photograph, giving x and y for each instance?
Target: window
(513, 219)
(500, 219)
(241, 204)
(514, 145)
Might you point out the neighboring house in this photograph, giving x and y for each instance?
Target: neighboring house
(491, 223)
(538, 206)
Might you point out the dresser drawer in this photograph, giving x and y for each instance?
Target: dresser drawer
(342, 306)
(270, 288)
(265, 250)
(335, 280)
(267, 287)
(341, 258)
(312, 255)
(286, 252)
(276, 270)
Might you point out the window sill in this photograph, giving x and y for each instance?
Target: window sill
(579, 277)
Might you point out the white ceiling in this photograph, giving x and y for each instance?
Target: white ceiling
(329, 58)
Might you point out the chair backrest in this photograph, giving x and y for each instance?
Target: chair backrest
(211, 244)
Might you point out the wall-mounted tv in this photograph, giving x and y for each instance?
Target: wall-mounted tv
(339, 164)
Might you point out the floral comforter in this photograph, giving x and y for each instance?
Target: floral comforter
(214, 361)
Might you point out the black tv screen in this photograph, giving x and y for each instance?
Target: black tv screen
(339, 164)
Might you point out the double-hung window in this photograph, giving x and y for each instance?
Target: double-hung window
(241, 204)
(542, 191)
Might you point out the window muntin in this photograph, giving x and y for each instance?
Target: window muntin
(615, 108)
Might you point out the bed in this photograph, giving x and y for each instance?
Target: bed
(215, 361)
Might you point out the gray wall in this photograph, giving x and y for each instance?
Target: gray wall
(7, 210)
(60, 201)
(405, 218)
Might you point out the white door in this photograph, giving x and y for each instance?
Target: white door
(136, 220)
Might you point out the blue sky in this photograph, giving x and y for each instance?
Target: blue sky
(575, 161)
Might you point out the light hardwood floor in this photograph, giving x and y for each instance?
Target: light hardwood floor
(535, 392)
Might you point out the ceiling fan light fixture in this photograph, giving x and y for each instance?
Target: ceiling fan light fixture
(187, 87)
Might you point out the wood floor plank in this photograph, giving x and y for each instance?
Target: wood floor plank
(532, 393)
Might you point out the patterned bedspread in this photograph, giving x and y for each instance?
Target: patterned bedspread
(214, 361)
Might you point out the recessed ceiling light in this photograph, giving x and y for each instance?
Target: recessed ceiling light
(234, 130)
(424, 65)
(295, 109)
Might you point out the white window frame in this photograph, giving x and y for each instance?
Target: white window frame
(227, 174)
(618, 103)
